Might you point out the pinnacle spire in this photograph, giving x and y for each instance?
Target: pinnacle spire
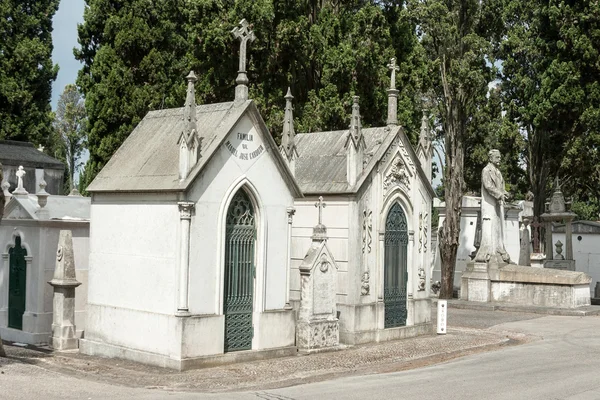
(189, 112)
(355, 146)
(288, 136)
(189, 141)
(355, 133)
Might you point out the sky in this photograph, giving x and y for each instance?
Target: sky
(64, 39)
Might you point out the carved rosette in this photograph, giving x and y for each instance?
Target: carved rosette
(397, 175)
(325, 264)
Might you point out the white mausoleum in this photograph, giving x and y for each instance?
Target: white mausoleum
(200, 225)
(29, 235)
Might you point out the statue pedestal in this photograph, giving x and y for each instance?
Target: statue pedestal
(537, 260)
(475, 283)
(517, 284)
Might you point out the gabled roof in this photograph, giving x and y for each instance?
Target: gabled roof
(321, 165)
(148, 160)
(71, 208)
(25, 154)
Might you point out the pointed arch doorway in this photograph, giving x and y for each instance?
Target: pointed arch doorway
(240, 250)
(17, 284)
(395, 267)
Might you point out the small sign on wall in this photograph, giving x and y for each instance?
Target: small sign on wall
(442, 313)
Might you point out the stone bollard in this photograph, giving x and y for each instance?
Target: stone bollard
(64, 283)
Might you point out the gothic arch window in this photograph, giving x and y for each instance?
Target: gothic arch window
(240, 249)
(395, 267)
(17, 284)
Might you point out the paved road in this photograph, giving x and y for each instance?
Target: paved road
(565, 364)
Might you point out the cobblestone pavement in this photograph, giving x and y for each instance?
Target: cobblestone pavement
(467, 333)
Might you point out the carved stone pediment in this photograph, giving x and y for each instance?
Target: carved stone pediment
(397, 174)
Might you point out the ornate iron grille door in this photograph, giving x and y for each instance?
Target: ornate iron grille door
(239, 273)
(17, 285)
(395, 268)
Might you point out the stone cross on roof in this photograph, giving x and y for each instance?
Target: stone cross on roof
(393, 67)
(320, 205)
(320, 231)
(244, 33)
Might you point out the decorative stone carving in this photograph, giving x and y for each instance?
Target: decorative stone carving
(396, 175)
(365, 287)
(367, 230)
(559, 250)
(245, 34)
(423, 232)
(5, 187)
(421, 286)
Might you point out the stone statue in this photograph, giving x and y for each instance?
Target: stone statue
(493, 197)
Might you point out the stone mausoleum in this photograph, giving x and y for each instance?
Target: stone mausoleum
(29, 235)
(209, 243)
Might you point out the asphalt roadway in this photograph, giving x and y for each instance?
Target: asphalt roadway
(560, 360)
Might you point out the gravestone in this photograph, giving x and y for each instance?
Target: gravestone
(64, 283)
(318, 326)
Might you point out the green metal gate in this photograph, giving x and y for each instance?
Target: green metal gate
(395, 271)
(240, 238)
(17, 285)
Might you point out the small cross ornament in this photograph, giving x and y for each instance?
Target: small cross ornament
(320, 205)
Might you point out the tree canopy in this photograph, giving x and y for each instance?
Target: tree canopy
(135, 56)
(26, 69)
(70, 132)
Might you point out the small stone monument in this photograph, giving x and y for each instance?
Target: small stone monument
(64, 283)
(557, 211)
(525, 243)
(318, 326)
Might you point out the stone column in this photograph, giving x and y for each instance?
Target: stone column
(64, 283)
(569, 239)
(392, 117)
(185, 216)
(290, 218)
(549, 245)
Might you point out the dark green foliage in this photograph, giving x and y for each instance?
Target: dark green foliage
(136, 54)
(490, 129)
(550, 78)
(26, 69)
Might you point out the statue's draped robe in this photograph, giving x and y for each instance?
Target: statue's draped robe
(492, 216)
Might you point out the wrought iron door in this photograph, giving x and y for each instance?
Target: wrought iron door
(395, 268)
(17, 285)
(239, 273)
